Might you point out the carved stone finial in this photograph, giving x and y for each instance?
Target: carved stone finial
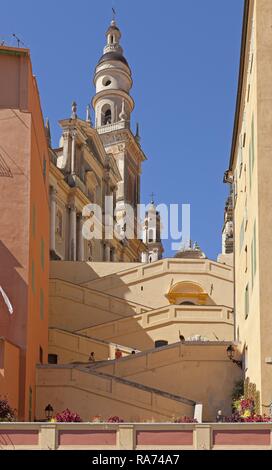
(137, 135)
(123, 115)
(48, 132)
(88, 115)
(74, 110)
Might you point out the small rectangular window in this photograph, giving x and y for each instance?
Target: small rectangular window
(52, 358)
(246, 301)
(246, 259)
(244, 140)
(41, 355)
(248, 93)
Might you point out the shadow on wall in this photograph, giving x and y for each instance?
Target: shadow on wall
(82, 272)
(13, 326)
(74, 306)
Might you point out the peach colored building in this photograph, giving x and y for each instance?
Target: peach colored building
(24, 231)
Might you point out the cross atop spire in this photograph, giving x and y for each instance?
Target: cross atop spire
(113, 14)
(152, 198)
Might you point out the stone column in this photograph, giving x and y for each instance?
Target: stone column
(126, 437)
(48, 436)
(66, 149)
(53, 195)
(73, 233)
(73, 153)
(107, 253)
(80, 242)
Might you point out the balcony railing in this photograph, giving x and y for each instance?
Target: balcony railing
(113, 127)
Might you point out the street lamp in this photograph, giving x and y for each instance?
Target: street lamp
(219, 417)
(49, 411)
(230, 353)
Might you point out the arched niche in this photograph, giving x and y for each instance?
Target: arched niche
(188, 293)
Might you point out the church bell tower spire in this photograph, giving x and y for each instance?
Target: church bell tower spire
(112, 78)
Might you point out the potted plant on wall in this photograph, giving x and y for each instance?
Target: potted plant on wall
(6, 412)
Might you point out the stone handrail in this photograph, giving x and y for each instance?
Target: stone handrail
(145, 361)
(159, 403)
(87, 295)
(81, 345)
(145, 271)
(150, 319)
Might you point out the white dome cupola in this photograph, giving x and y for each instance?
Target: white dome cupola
(112, 79)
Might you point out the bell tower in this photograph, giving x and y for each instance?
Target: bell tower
(112, 102)
(152, 234)
(113, 106)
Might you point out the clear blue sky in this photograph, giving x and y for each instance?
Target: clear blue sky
(184, 55)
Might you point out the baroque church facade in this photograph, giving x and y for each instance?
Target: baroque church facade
(94, 161)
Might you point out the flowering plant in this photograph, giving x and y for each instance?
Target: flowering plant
(97, 419)
(245, 407)
(68, 416)
(115, 419)
(244, 412)
(185, 419)
(6, 412)
(236, 418)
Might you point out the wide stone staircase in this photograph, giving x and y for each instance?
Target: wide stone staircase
(91, 393)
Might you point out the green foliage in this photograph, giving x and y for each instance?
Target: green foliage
(6, 412)
(238, 390)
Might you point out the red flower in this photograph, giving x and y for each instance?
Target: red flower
(68, 416)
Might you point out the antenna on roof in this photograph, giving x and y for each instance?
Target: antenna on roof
(18, 40)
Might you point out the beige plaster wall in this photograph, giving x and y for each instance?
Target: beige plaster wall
(73, 307)
(149, 283)
(81, 272)
(199, 371)
(141, 331)
(90, 395)
(71, 347)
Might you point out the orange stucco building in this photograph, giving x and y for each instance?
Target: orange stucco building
(24, 231)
